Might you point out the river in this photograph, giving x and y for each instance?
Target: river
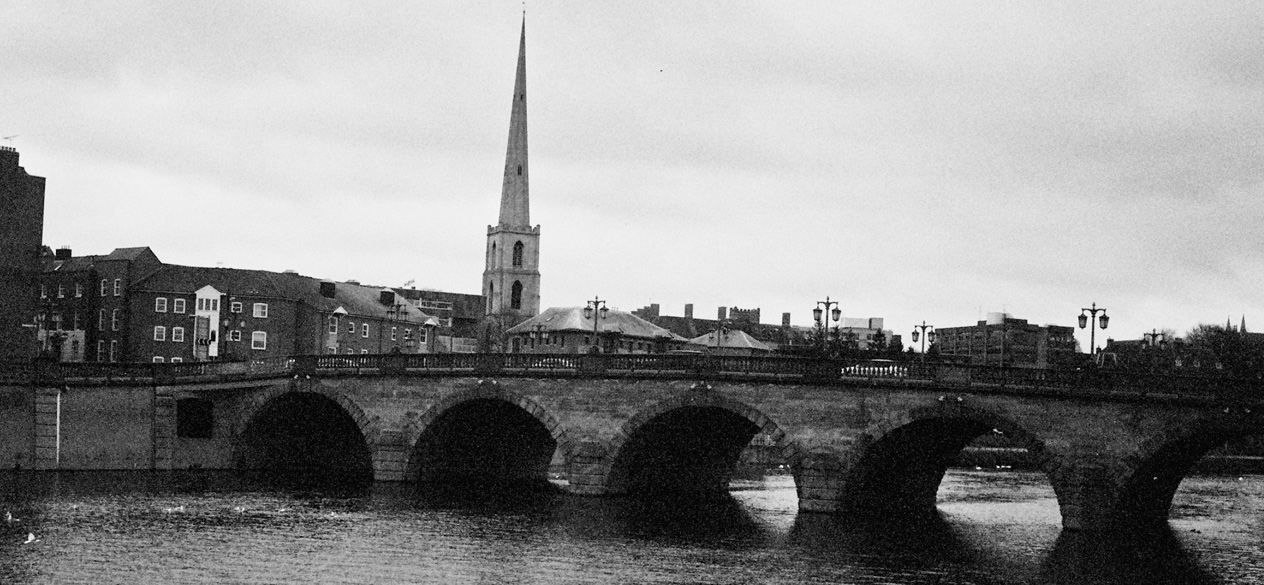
(995, 527)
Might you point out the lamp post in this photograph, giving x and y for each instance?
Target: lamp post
(596, 308)
(926, 336)
(1154, 337)
(818, 314)
(1091, 314)
(721, 330)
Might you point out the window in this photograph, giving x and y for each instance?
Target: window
(350, 328)
(160, 333)
(234, 307)
(214, 305)
(363, 351)
(515, 295)
(201, 304)
(408, 333)
(261, 310)
(158, 359)
(177, 305)
(517, 254)
(101, 320)
(101, 350)
(195, 418)
(177, 360)
(114, 320)
(160, 305)
(421, 336)
(118, 286)
(114, 350)
(234, 335)
(333, 324)
(364, 330)
(61, 291)
(177, 334)
(103, 285)
(259, 340)
(393, 329)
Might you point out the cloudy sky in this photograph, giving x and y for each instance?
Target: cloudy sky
(916, 161)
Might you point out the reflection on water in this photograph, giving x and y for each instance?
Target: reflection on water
(206, 528)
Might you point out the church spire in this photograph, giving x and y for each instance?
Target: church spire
(514, 194)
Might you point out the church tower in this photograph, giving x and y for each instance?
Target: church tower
(511, 277)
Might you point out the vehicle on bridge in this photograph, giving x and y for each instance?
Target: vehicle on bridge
(870, 368)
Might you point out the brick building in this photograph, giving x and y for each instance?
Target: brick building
(129, 306)
(21, 241)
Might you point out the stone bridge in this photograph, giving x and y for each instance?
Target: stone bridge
(858, 439)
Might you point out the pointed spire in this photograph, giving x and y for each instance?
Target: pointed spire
(1242, 329)
(1228, 323)
(514, 194)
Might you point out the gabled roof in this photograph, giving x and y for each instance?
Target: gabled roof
(572, 319)
(734, 339)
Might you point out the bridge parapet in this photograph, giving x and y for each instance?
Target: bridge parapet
(1089, 383)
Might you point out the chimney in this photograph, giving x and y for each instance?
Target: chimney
(689, 310)
(785, 319)
(387, 297)
(722, 314)
(327, 289)
(63, 253)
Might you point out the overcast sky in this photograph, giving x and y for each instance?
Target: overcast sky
(916, 161)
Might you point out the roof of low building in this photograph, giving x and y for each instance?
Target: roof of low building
(572, 319)
(731, 339)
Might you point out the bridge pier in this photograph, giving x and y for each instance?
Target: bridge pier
(390, 456)
(1088, 495)
(819, 481)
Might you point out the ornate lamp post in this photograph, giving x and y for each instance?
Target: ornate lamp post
(818, 314)
(595, 307)
(1091, 314)
(1153, 338)
(926, 336)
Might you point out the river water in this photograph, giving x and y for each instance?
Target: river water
(995, 527)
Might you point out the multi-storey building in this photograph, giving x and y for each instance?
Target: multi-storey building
(1002, 340)
(129, 306)
(84, 303)
(21, 241)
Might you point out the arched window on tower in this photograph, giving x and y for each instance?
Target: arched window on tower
(491, 290)
(494, 262)
(515, 295)
(517, 255)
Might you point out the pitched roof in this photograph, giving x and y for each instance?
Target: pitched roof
(736, 338)
(572, 319)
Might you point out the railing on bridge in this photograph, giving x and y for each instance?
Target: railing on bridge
(879, 373)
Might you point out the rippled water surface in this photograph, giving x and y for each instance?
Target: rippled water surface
(995, 528)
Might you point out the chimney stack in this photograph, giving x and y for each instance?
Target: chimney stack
(689, 310)
(63, 253)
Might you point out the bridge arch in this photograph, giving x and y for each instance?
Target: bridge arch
(898, 462)
(484, 434)
(660, 448)
(1152, 474)
(305, 431)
